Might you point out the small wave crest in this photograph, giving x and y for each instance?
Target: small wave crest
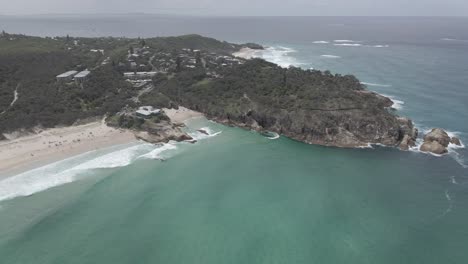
(344, 41)
(330, 56)
(320, 42)
(376, 84)
(348, 44)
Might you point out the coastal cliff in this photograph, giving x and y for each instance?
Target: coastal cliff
(310, 106)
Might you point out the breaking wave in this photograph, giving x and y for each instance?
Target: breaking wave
(278, 55)
(72, 169)
(275, 136)
(156, 154)
(397, 104)
(197, 135)
(321, 42)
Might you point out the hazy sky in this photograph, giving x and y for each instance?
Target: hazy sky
(241, 7)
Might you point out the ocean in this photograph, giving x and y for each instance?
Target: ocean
(239, 197)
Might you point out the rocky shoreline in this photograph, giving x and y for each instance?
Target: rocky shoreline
(404, 137)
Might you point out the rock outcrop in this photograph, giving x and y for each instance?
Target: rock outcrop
(408, 133)
(437, 141)
(456, 141)
(163, 131)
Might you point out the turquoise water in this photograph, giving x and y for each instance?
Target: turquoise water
(238, 197)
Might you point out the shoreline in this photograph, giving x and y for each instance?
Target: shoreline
(27, 152)
(51, 145)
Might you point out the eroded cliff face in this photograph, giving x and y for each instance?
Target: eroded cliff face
(340, 128)
(310, 106)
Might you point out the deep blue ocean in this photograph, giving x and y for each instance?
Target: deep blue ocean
(238, 197)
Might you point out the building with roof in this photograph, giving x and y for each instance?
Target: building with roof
(82, 76)
(147, 111)
(139, 75)
(66, 76)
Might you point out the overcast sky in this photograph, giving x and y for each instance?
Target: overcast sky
(242, 7)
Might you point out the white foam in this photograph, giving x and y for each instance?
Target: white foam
(69, 170)
(156, 154)
(330, 56)
(376, 84)
(397, 104)
(344, 41)
(278, 55)
(380, 46)
(275, 136)
(348, 44)
(197, 135)
(321, 42)
(453, 180)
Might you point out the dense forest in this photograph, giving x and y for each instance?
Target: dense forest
(28, 66)
(309, 105)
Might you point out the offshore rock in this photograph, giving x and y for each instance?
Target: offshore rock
(436, 141)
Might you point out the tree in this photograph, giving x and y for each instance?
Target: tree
(178, 64)
(131, 50)
(143, 43)
(68, 38)
(198, 59)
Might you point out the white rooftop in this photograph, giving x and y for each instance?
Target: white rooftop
(66, 74)
(82, 74)
(147, 111)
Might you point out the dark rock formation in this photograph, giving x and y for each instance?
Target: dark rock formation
(408, 133)
(455, 141)
(163, 131)
(434, 147)
(437, 141)
(203, 132)
(310, 106)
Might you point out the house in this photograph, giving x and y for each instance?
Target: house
(139, 75)
(82, 76)
(147, 111)
(66, 76)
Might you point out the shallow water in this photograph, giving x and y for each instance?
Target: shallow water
(239, 197)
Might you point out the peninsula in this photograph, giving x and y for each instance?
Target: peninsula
(137, 85)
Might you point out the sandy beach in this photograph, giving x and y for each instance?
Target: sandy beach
(181, 115)
(31, 151)
(246, 53)
(23, 153)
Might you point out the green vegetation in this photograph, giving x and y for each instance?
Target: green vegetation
(196, 72)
